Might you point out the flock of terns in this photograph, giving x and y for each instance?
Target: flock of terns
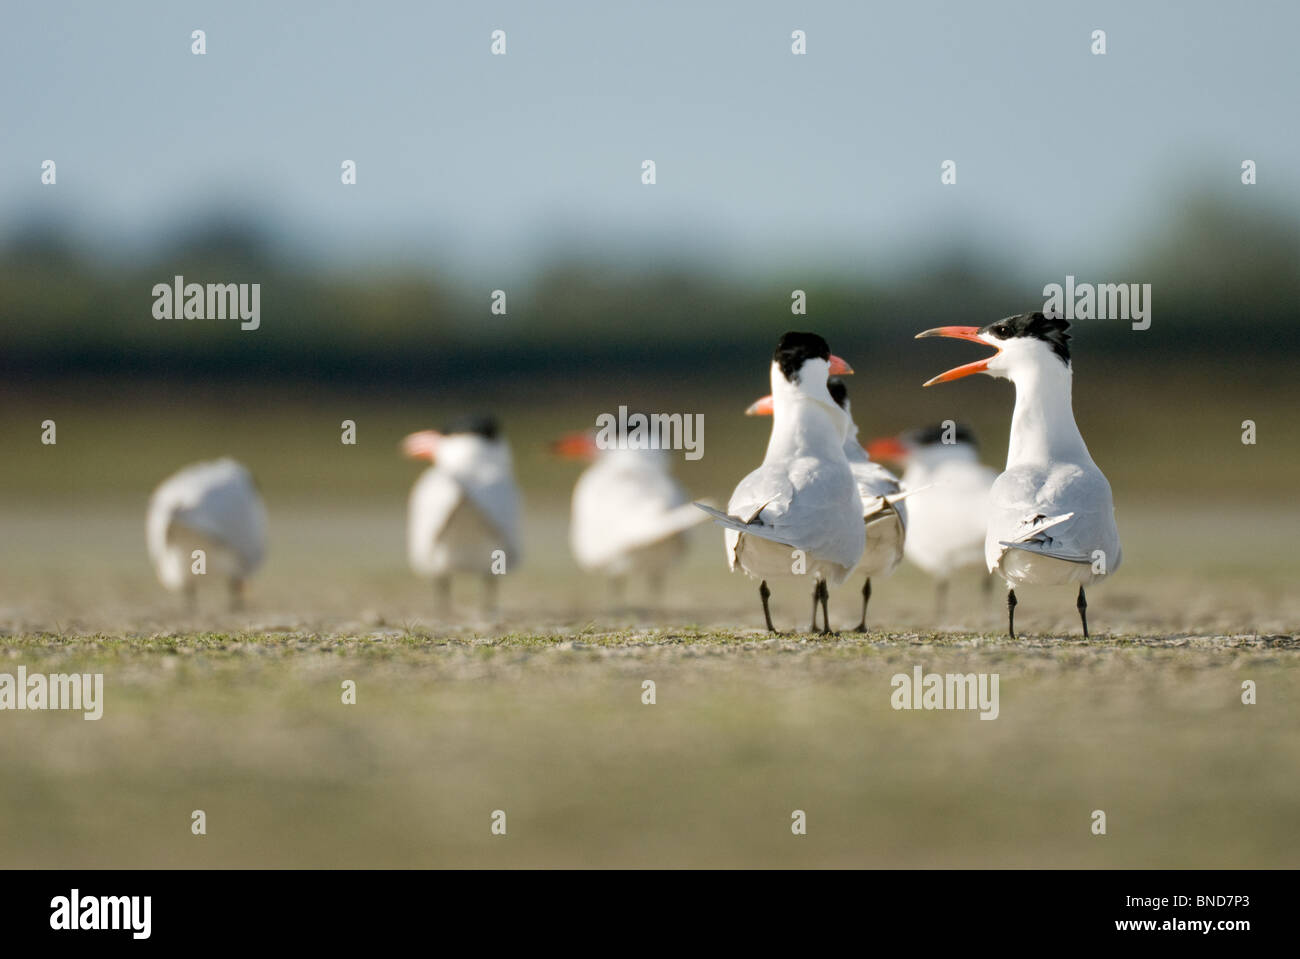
(818, 507)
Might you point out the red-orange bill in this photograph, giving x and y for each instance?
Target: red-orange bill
(887, 448)
(422, 445)
(761, 407)
(575, 446)
(958, 333)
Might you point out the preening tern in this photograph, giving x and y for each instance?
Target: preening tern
(629, 513)
(212, 507)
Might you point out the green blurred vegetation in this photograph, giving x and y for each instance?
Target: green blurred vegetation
(402, 349)
(1226, 280)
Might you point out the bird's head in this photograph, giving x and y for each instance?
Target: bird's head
(944, 438)
(1025, 342)
(461, 440)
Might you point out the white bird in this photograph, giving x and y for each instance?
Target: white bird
(213, 507)
(799, 513)
(948, 515)
(464, 511)
(629, 513)
(883, 511)
(1051, 515)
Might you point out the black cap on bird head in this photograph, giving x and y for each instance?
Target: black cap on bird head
(796, 348)
(478, 424)
(1052, 330)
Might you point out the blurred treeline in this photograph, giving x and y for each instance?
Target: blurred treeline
(1226, 284)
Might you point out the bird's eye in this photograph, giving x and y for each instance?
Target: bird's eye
(1001, 332)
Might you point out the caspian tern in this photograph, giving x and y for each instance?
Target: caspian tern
(946, 521)
(629, 513)
(214, 507)
(464, 510)
(1051, 516)
(799, 513)
(883, 510)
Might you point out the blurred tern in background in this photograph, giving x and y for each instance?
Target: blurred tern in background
(947, 521)
(1051, 516)
(464, 512)
(799, 514)
(214, 507)
(883, 512)
(629, 513)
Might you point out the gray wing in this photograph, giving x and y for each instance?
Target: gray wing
(1064, 511)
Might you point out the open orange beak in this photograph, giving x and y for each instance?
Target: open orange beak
(422, 445)
(840, 367)
(887, 449)
(575, 446)
(959, 333)
(761, 407)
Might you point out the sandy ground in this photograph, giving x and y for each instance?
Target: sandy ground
(538, 712)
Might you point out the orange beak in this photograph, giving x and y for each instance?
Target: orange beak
(959, 333)
(887, 449)
(575, 446)
(839, 367)
(761, 407)
(422, 445)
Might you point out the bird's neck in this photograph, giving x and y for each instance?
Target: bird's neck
(1042, 427)
(800, 425)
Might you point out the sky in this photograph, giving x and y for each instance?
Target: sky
(479, 164)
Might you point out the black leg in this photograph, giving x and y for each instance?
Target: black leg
(941, 599)
(1011, 612)
(236, 594)
(764, 593)
(866, 598)
(1083, 611)
(817, 595)
(825, 592)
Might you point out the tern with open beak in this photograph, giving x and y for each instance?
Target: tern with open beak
(1051, 516)
(948, 516)
(883, 511)
(464, 510)
(799, 514)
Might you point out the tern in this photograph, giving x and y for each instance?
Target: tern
(629, 513)
(799, 513)
(1051, 516)
(208, 517)
(883, 511)
(464, 511)
(946, 523)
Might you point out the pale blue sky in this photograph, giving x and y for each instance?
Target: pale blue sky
(478, 164)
